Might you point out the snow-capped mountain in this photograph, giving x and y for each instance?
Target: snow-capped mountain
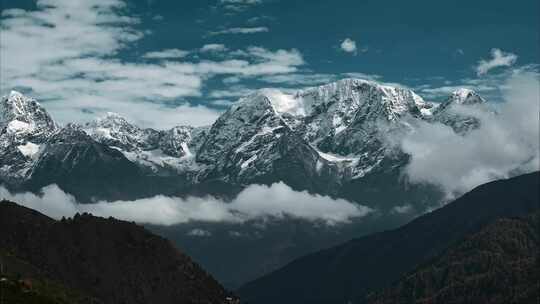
(160, 151)
(115, 131)
(449, 114)
(252, 143)
(24, 127)
(22, 115)
(346, 121)
(316, 139)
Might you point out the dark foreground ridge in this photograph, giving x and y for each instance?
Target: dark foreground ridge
(499, 264)
(97, 260)
(348, 272)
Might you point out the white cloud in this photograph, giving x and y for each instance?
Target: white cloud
(259, 19)
(235, 234)
(256, 61)
(167, 54)
(348, 45)
(404, 209)
(222, 102)
(505, 144)
(76, 79)
(231, 80)
(279, 202)
(213, 47)
(233, 92)
(490, 86)
(197, 232)
(241, 30)
(372, 77)
(238, 5)
(43, 50)
(498, 59)
(299, 79)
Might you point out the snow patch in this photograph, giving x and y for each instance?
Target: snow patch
(284, 103)
(248, 162)
(101, 132)
(186, 150)
(156, 160)
(265, 130)
(29, 149)
(336, 158)
(318, 165)
(17, 126)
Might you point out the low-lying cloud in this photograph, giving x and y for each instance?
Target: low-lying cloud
(506, 144)
(277, 201)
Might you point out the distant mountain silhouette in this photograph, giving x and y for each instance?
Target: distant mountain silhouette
(107, 260)
(346, 273)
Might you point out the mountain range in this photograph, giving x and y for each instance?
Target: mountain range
(331, 140)
(334, 140)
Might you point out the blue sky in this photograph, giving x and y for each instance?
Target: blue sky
(162, 63)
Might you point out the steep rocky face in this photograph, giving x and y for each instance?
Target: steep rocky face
(74, 161)
(24, 126)
(114, 130)
(158, 152)
(111, 260)
(246, 127)
(174, 142)
(348, 121)
(252, 143)
(70, 151)
(24, 116)
(352, 106)
(498, 264)
(340, 127)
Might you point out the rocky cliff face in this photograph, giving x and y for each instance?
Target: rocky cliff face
(24, 127)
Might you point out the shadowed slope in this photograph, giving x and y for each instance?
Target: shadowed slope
(112, 260)
(348, 271)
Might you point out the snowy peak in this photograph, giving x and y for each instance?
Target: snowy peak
(255, 104)
(115, 130)
(465, 97)
(247, 132)
(284, 103)
(351, 94)
(175, 141)
(24, 115)
(113, 122)
(460, 97)
(461, 123)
